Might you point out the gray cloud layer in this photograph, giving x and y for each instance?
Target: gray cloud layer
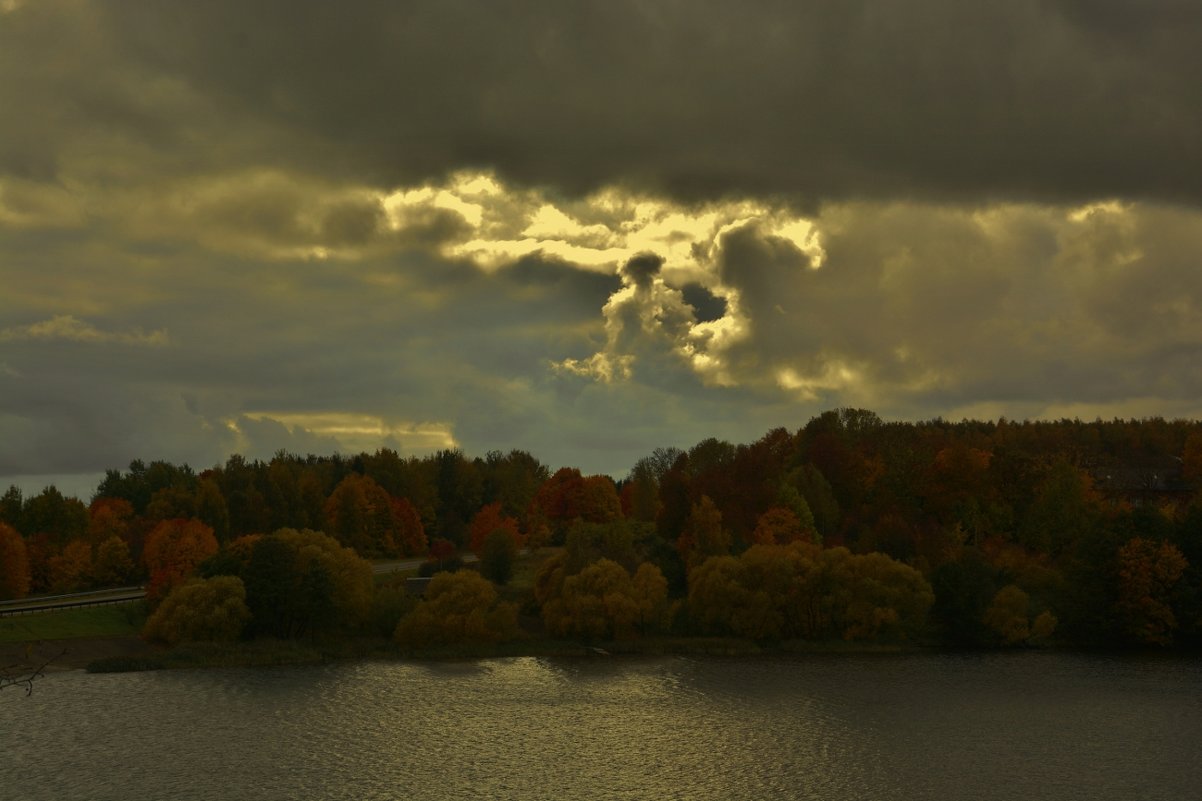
(937, 99)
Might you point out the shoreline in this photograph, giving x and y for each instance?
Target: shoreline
(122, 654)
(132, 654)
(75, 653)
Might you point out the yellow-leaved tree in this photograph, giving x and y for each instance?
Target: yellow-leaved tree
(460, 607)
(1148, 571)
(603, 602)
(200, 610)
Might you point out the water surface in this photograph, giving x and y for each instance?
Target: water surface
(926, 726)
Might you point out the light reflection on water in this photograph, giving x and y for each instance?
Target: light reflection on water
(825, 727)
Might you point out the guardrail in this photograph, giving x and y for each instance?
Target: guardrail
(49, 603)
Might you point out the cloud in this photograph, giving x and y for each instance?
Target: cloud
(648, 327)
(919, 308)
(66, 328)
(330, 432)
(642, 269)
(936, 100)
(586, 229)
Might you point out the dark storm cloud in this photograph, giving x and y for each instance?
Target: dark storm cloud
(811, 100)
(642, 269)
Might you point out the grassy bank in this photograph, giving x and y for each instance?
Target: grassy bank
(114, 620)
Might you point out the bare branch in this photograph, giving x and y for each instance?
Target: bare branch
(25, 672)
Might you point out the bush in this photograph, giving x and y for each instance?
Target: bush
(390, 603)
(201, 610)
(459, 608)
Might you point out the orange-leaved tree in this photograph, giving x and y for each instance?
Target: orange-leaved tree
(361, 514)
(109, 517)
(14, 564)
(780, 526)
(489, 519)
(173, 550)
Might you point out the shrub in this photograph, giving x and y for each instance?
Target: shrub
(200, 610)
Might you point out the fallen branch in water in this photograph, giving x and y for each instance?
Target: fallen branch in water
(23, 673)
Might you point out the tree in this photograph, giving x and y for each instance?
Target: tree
(1007, 615)
(458, 608)
(1065, 510)
(61, 519)
(559, 502)
(588, 542)
(640, 491)
(720, 602)
(874, 596)
(362, 516)
(246, 503)
(600, 503)
(780, 526)
(355, 512)
(170, 502)
(703, 534)
(650, 593)
(963, 592)
(601, 602)
(1191, 460)
(409, 534)
(1148, 572)
(349, 575)
(71, 570)
(512, 480)
(12, 505)
(112, 566)
(488, 520)
(14, 564)
(497, 556)
(272, 583)
(819, 497)
(109, 517)
(174, 549)
(200, 610)
(460, 492)
(774, 591)
(211, 508)
(567, 497)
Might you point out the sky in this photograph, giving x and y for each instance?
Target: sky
(587, 229)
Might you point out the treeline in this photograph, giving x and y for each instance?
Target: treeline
(972, 533)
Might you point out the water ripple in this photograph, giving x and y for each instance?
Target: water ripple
(906, 727)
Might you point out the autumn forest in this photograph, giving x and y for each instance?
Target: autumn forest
(970, 534)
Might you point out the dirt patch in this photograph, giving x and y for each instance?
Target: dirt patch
(74, 654)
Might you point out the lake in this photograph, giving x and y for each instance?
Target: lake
(912, 726)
